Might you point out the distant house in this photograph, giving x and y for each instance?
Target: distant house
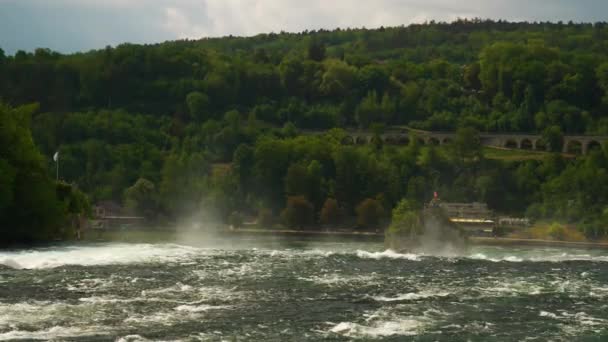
(103, 209)
(111, 215)
(476, 218)
(475, 210)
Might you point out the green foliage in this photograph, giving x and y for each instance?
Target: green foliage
(183, 182)
(29, 206)
(330, 213)
(338, 78)
(316, 50)
(141, 198)
(198, 105)
(554, 138)
(75, 201)
(265, 218)
(369, 110)
(406, 219)
(557, 232)
(241, 166)
(369, 213)
(168, 112)
(298, 213)
(467, 145)
(290, 130)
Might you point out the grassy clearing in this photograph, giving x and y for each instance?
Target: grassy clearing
(513, 155)
(130, 236)
(550, 231)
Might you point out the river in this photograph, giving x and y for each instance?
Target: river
(301, 290)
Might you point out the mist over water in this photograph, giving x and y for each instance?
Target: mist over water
(278, 290)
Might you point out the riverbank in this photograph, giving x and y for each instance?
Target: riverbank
(173, 236)
(369, 236)
(373, 236)
(489, 241)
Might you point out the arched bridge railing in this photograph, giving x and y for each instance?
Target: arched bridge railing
(573, 144)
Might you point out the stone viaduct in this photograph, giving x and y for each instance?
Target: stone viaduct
(574, 144)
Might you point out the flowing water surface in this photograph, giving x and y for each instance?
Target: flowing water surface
(301, 291)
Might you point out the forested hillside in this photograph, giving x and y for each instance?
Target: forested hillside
(148, 124)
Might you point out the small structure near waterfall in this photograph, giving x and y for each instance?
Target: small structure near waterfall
(427, 230)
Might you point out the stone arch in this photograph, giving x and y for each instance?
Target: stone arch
(510, 143)
(574, 147)
(433, 141)
(348, 140)
(403, 140)
(361, 141)
(592, 146)
(540, 145)
(390, 140)
(526, 144)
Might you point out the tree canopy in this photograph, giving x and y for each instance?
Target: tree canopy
(234, 124)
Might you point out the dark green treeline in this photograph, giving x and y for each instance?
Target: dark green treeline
(214, 123)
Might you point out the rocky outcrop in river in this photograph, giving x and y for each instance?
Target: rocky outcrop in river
(428, 231)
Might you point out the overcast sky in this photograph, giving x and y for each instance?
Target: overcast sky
(77, 25)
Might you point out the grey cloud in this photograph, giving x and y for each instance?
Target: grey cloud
(74, 25)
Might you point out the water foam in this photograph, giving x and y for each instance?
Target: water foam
(39, 313)
(540, 256)
(411, 296)
(400, 327)
(200, 308)
(132, 338)
(338, 279)
(103, 254)
(53, 333)
(509, 258)
(387, 254)
(288, 253)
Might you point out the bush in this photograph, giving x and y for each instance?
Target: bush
(235, 219)
(298, 213)
(557, 232)
(369, 213)
(265, 218)
(330, 213)
(405, 219)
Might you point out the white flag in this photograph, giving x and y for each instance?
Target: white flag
(56, 156)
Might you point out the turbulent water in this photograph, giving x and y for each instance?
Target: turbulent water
(301, 291)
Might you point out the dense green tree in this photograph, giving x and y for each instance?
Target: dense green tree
(198, 106)
(554, 138)
(338, 79)
(369, 110)
(467, 145)
(298, 213)
(241, 166)
(369, 213)
(296, 181)
(405, 219)
(173, 112)
(316, 50)
(330, 213)
(29, 206)
(141, 197)
(183, 182)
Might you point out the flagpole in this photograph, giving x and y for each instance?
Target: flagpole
(56, 159)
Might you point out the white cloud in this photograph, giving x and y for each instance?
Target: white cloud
(179, 24)
(193, 19)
